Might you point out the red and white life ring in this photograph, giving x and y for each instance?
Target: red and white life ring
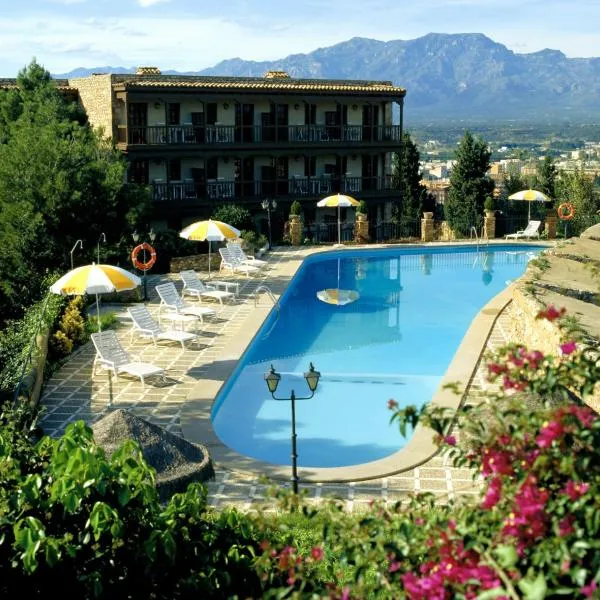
(143, 266)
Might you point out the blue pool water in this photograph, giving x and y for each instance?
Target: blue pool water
(396, 341)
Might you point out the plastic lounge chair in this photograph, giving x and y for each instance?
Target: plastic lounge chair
(169, 298)
(111, 355)
(237, 252)
(532, 230)
(228, 261)
(193, 286)
(146, 326)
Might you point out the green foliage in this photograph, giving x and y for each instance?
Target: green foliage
(546, 177)
(469, 185)
(406, 178)
(253, 241)
(234, 215)
(489, 203)
(296, 208)
(59, 182)
(60, 345)
(362, 208)
(18, 335)
(578, 189)
(169, 244)
(73, 520)
(107, 320)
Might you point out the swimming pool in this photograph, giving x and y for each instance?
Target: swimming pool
(395, 340)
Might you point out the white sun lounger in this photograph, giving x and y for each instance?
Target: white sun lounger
(147, 327)
(112, 356)
(228, 261)
(193, 286)
(237, 252)
(169, 298)
(532, 230)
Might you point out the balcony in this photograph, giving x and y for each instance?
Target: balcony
(188, 191)
(248, 136)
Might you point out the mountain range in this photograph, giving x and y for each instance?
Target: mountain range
(447, 76)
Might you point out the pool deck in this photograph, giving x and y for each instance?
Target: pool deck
(196, 374)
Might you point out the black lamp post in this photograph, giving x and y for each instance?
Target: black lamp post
(312, 379)
(269, 205)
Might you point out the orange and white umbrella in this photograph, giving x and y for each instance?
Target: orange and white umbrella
(209, 231)
(339, 200)
(95, 279)
(337, 296)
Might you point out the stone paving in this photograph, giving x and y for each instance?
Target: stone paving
(73, 394)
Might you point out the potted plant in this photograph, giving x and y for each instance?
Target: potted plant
(361, 211)
(489, 206)
(295, 210)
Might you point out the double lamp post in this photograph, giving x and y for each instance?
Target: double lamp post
(269, 205)
(312, 379)
(136, 238)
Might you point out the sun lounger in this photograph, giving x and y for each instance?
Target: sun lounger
(532, 230)
(193, 286)
(169, 298)
(228, 261)
(147, 327)
(112, 356)
(237, 252)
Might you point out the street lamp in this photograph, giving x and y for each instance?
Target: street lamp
(136, 238)
(272, 379)
(269, 205)
(102, 238)
(77, 243)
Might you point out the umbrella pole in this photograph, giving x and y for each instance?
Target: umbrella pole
(98, 313)
(209, 260)
(339, 227)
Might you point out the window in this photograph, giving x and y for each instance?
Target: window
(212, 168)
(138, 172)
(211, 113)
(173, 113)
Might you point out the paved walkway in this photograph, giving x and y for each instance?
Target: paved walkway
(73, 394)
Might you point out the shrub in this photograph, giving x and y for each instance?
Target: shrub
(94, 527)
(72, 323)
(60, 344)
(169, 244)
(253, 241)
(361, 209)
(489, 203)
(296, 208)
(234, 215)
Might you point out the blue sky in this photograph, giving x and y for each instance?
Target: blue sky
(195, 34)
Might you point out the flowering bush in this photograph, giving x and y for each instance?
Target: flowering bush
(533, 533)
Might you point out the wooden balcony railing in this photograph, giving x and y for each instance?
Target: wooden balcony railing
(219, 135)
(296, 187)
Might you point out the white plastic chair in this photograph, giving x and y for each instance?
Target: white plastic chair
(193, 286)
(112, 356)
(228, 261)
(532, 230)
(147, 327)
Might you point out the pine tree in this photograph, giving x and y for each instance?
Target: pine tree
(546, 177)
(413, 195)
(469, 185)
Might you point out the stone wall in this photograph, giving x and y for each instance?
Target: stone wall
(95, 95)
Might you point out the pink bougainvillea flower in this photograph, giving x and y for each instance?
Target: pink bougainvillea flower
(551, 313)
(317, 553)
(548, 433)
(496, 369)
(589, 589)
(497, 462)
(345, 594)
(575, 489)
(392, 404)
(565, 526)
(450, 440)
(568, 348)
(585, 414)
(493, 494)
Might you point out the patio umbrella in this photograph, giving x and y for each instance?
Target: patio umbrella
(530, 196)
(336, 295)
(338, 200)
(210, 231)
(95, 279)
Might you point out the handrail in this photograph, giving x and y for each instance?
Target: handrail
(472, 231)
(275, 304)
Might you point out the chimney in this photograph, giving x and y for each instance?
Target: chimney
(147, 71)
(276, 75)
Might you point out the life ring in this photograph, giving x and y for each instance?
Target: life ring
(566, 211)
(143, 266)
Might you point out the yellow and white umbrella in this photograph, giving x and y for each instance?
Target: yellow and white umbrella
(338, 200)
(336, 295)
(95, 279)
(530, 196)
(209, 231)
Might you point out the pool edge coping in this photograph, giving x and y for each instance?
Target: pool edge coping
(196, 422)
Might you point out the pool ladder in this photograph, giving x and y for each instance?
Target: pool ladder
(479, 240)
(264, 288)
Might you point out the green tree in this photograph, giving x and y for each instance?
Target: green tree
(414, 197)
(578, 189)
(234, 215)
(469, 184)
(546, 177)
(513, 182)
(59, 182)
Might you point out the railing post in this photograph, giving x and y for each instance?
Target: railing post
(427, 227)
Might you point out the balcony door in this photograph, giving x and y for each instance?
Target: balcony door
(369, 173)
(369, 123)
(139, 172)
(282, 122)
(244, 122)
(137, 122)
(244, 177)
